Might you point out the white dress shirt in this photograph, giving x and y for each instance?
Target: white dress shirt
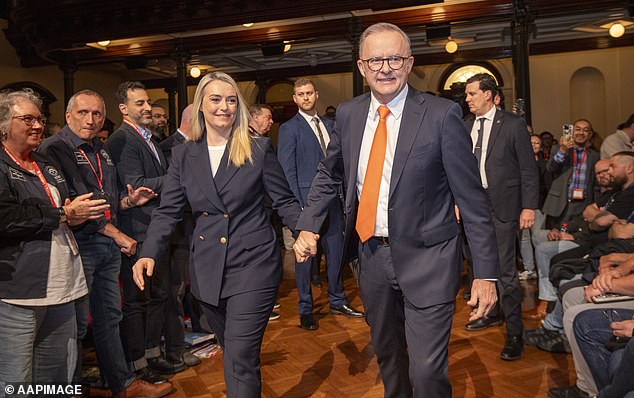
(324, 130)
(488, 123)
(393, 122)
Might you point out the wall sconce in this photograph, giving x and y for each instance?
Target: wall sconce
(451, 46)
(617, 30)
(194, 72)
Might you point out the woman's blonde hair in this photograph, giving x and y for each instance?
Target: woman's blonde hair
(240, 150)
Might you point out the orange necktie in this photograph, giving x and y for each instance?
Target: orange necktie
(366, 216)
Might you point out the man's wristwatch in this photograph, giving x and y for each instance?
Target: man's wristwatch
(62, 215)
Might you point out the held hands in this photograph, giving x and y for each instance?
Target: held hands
(142, 264)
(139, 196)
(527, 218)
(83, 208)
(483, 298)
(305, 246)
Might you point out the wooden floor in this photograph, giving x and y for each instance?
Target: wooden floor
(338, 361)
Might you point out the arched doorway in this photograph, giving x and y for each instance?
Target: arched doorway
(453, 81)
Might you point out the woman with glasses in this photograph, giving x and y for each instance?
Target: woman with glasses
(224, 173)
(40, 269)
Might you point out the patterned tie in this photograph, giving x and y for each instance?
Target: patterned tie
(322, 142)
(477, 151)
(366, 216)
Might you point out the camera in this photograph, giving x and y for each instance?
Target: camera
(567, 131)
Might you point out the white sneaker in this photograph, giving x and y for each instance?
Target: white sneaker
(526, 275)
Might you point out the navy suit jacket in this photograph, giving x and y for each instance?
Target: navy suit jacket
(138, 166)
(433, 165)
(299, 152)
(234, 248)
(512, 176)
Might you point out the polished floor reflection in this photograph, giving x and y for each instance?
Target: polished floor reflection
(337, 360)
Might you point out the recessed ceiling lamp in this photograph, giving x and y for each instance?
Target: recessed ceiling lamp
(617, 30)
(451, 46)
(103, 43)
(247, 25)
(194, 72)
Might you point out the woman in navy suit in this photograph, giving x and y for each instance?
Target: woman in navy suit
(224, 173)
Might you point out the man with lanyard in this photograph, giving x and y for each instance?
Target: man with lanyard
(140, 162)
(572, 166)
(88, 167)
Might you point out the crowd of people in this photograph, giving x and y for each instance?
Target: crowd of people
(121, 226)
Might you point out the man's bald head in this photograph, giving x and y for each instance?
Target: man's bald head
(186, 120)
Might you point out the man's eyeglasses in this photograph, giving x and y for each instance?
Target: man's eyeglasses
(395, 62)
(30, 120)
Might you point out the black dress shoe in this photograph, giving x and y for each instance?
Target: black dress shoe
(347, 311)
(150, 376)
(165, 366)
(513, 347)
(188, 358)
(307, 322)
(482, 323)
(567, 392)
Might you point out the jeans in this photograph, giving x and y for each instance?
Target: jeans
(592, 331)
(527, 241)
(102, 261)
(38, 344)
(543, 253)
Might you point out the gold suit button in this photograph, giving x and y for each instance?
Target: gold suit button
(223, 240)
(201, 237)
(225, 215)
(205, 213)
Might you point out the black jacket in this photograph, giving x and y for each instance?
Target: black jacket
(28, 219)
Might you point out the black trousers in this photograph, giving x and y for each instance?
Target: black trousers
(143, 310)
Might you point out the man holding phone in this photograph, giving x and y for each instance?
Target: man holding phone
(572, 166)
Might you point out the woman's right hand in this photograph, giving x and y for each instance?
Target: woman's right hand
(83, 208)
(142, 264)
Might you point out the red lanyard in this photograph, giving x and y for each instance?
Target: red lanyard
(99, 176)
(574, 161)
(126, 121)
(38, 173)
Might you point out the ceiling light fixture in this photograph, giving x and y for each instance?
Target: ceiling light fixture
(287, 46)
(194, 72)
(103, 43)
(247, 25)
(451, 46)
(617, 30)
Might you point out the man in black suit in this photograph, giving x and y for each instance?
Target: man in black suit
(399, 196)
(140, 162)
(509, 175)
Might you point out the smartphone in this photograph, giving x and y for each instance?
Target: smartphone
(567, 131)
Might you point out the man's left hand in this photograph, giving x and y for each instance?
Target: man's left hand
(483, 298)
(140, 196)
(527, 218)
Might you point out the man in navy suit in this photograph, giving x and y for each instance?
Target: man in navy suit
(412, 151)
(302, 145)
(509, 174)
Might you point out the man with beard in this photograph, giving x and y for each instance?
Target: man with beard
(140, 162)
(159, 122)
